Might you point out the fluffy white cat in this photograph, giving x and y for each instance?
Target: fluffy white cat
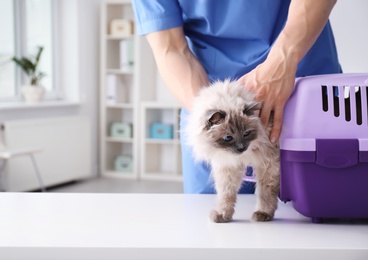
(225, 131)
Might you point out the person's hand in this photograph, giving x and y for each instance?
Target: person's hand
(273, 83)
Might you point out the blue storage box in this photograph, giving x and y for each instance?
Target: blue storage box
(161, 131)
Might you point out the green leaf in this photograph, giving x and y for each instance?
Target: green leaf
(29, 65)
(30, 68)
(38, 56)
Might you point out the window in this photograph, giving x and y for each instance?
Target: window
(7, 49)
(25, 24)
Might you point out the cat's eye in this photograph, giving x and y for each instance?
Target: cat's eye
(246, 133)
(228, 138)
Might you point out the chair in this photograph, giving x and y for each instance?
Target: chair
(7, 154)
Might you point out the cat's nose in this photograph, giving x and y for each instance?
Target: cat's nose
(241, 149)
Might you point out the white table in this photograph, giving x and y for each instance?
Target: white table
(167, 226)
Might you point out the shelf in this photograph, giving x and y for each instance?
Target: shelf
(120, 175)
(162, 141)
(120, 105)
(119, 140)
(113, 37)
(43, 104)
(119, 71)
(118, 2)
(159, 105)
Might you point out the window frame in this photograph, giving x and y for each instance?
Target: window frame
(20, 44)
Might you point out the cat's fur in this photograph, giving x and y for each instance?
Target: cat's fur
(226, 109)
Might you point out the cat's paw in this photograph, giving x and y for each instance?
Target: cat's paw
(221, 218)
(261, 216)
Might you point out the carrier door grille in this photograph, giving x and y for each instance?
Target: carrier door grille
(351, 105)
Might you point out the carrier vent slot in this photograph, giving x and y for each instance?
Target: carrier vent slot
(324, 99)
(347, 103)
(336, 101)
(358, 105)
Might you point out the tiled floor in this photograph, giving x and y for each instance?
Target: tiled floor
(112, 185)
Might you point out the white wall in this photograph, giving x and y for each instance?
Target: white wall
(349, 20)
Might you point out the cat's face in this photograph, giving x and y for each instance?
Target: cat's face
(232, 131)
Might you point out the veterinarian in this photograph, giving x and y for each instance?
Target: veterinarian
(264, 44)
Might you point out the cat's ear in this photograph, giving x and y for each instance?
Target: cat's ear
(215, 118)
(252, 109)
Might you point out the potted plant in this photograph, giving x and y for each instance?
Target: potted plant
(33, 92)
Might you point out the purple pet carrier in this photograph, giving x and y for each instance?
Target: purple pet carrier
(324, 147)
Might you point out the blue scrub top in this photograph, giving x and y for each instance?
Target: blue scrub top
(232, 37)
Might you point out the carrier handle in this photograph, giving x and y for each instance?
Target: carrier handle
(337, 153)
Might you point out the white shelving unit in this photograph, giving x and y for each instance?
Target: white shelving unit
(125, 107)
(160, 158)
(141, 100)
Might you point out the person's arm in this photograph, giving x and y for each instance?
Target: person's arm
(273, 80)
(178, 67)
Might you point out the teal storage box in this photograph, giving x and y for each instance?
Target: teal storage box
(161, 131)
(121, 130)
(123, 163)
